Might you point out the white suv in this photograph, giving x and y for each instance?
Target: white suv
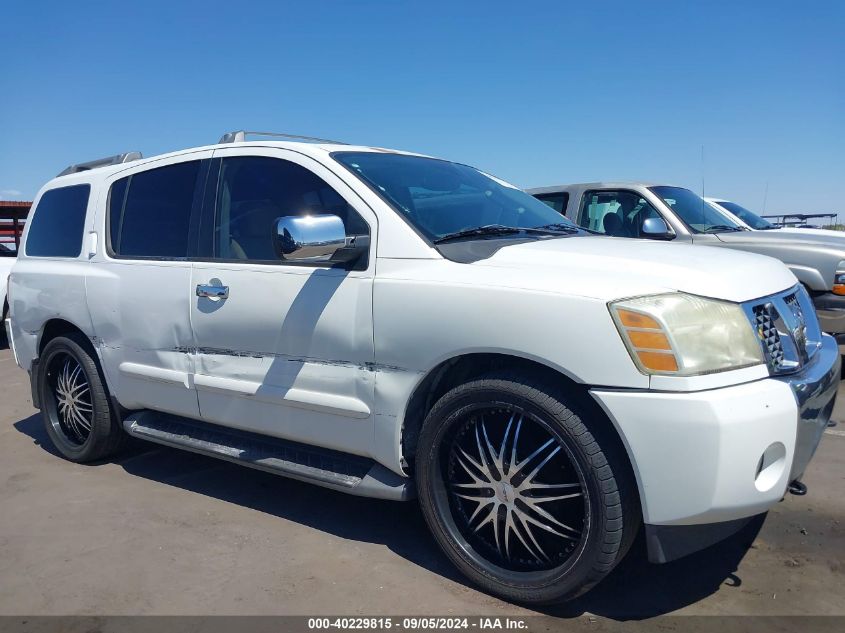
(388, 324)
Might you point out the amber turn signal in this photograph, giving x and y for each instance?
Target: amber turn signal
(648, 340)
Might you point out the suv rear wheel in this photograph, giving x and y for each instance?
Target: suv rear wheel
(525, 499)
(75, 404)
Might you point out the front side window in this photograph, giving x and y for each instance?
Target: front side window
(439, 198)
(255, 191)
(556, 201)
(615, 213)
(694, 211)
(150, 212)
(58, 223)
(749, 217)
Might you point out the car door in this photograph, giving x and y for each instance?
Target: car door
(282, 348)
(138, 283)
(618, 212)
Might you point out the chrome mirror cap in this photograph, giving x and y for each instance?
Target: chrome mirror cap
(313, 238)
(656, 228)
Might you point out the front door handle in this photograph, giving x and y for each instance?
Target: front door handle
(213, 292)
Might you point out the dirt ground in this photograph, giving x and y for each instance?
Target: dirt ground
(160, 531)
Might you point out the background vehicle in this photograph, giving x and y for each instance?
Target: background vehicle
(385, 324)
(751, 220)
(662, 212)
(7, 260)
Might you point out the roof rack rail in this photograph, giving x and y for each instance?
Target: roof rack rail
(102, 162)
(239, 136)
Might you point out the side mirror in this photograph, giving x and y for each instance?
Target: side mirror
(308, 238)
(657, 229)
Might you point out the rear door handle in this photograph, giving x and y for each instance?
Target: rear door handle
(213, 292)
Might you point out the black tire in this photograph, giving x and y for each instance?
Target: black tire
(105, 436)
(610, 515)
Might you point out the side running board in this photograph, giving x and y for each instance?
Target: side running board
(324, 467)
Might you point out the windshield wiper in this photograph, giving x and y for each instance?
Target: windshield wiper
(559, 227)
(478, 231)
(719, 228)
(501, 229)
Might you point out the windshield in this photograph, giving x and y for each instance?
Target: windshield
(440, 198)
(749, 217)
(699, 216)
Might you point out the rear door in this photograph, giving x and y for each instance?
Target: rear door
(139, 283)
(287, 349)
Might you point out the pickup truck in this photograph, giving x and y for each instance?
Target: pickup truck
(751, 220)
(668, 213)
(392, 325)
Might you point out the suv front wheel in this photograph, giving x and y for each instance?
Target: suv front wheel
(75, 404)
(524, 498)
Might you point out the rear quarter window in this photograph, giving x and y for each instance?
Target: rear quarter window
(556, 201)
(58, 223)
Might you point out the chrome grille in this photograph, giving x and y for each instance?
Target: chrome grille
(787, 327)
(767, 332)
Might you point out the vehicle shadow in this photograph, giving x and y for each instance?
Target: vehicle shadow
(634, 590)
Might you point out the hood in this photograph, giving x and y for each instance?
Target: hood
(828, 233)
(786, 237)
(609, 268)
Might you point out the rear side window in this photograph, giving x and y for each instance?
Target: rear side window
(58, 223)
(556, 201)
(150, 212)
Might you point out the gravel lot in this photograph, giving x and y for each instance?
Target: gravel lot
(160, 531)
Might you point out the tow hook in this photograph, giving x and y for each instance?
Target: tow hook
(797, 488)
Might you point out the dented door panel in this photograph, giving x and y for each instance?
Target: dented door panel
(289, 353)
(142, 333)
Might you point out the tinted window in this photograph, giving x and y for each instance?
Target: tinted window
(750, 218)
(438, 197)
(699, 216)
(58, 223)
(254, 191)
(617, 213)
(556, 201)
(150, 212)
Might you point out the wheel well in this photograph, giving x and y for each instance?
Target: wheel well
(456, 371)
(59, 327)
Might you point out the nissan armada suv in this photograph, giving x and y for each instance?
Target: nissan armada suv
(392, 325)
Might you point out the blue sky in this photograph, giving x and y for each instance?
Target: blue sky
(535, 92)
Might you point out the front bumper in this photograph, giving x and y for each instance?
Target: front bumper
(722, 455)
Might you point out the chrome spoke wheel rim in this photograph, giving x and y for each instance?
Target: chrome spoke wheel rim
(74, 409)
(516, 495)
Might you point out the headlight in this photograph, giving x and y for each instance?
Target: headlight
(684, 335)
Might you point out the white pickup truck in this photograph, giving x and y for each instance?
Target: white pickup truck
(392, 325)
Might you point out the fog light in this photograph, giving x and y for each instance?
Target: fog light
(770, 467)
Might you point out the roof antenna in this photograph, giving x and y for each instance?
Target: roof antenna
(702, 188)
(765, 196)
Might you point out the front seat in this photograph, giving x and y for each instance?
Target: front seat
(252, 231)
(612, 225)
